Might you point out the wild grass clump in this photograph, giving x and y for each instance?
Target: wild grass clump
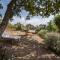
(52, 40)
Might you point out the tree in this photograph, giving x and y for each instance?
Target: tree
(18, 26)
(34, 7)
(30, 27)
(57, 21)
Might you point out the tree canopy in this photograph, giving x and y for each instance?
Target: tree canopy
(34, 7)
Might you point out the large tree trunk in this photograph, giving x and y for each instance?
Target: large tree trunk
(8, 15)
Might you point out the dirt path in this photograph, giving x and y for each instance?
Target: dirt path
(37, 38)
(16, 34)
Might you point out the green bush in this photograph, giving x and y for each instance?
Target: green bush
(57, 21)
(51, 27)
(42, 33)
(52, 41)
(37, 30)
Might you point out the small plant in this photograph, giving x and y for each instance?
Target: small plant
(42, 33)
(52, 40)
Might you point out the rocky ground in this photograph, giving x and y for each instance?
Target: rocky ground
(28, 47)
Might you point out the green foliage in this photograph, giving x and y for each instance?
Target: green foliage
(30, 27)
(35, 7)
(11, 26)
(42, 33)
(38, 28)
(52, 27)
(41, 30)
(57, 21)
(49, 27)
(25, 28)
(18, 26)
(52, 40)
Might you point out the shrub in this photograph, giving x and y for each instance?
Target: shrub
(42, 33)
(52, 41)
(37, 30)
(57, 21)
(52, 27)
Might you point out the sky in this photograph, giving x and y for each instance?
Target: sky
(36, 20)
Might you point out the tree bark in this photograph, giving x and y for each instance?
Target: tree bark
(8, 15)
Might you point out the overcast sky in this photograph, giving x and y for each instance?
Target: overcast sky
(34, 20)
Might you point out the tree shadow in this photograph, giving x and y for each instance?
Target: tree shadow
(26, 49)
